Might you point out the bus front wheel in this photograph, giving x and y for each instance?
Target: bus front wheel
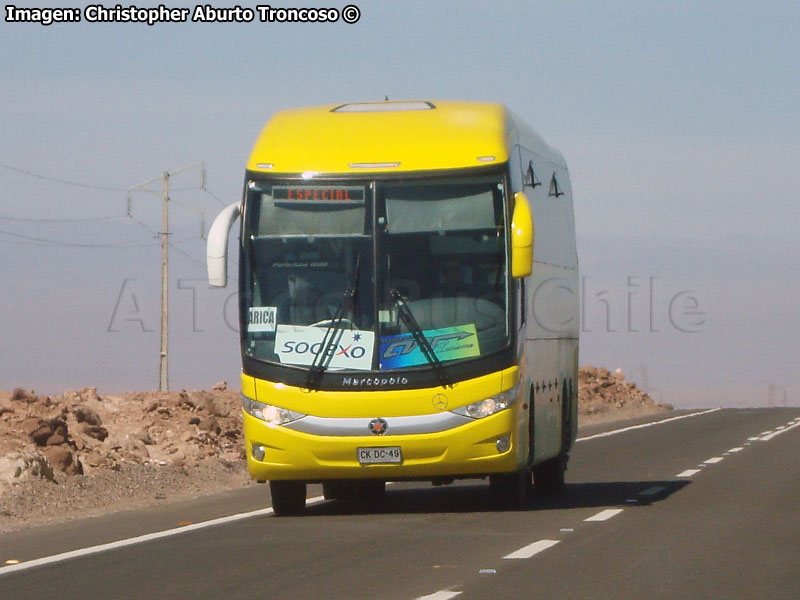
(548, 477)
(511, 490)
(288, 497)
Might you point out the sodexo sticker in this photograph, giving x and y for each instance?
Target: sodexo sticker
(298, 345)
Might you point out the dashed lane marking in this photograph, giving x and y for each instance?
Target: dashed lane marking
(688, 473)
(773, 434)
(605, 515)
(737, 449)
(441, 595)
(712, 461)
(532, 549)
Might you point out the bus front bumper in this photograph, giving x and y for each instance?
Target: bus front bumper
(478, 447)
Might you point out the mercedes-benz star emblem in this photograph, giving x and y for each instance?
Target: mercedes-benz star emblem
(439, 401)
(378, 426)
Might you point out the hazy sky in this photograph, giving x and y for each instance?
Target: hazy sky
(679, 122)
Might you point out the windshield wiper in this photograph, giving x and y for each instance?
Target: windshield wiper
(333, 333)
(405, 314)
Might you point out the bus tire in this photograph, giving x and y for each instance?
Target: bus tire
(334, 489)
(548, 476)
(288, 497)
(511, 490)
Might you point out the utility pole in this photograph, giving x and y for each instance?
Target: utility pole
(163, 362)
(163, 353)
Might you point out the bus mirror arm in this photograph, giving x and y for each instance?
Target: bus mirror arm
(217, 246)
(521, 237)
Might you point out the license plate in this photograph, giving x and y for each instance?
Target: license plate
(381, 455)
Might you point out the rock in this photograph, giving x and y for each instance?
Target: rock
(59, 436)
(220, 386)
(84, 414)
(209, 424)
(97, 432)
(29, 426)
(71, 397)
(40, 430)
(21, 395)
(62, 459)
(136, 447)
(213, 405)
(91, 395)
(6, 408)
(24, 466)
(144, 437)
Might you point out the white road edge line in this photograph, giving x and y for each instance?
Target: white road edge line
(771, 435)
(531, 549)
(148, 537)
(688, 473)
(605, 515)
(441, 595)
(643, 425)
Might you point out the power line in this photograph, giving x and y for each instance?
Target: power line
(50, 242)
(214, 196)
(57, 220)
(80, 184)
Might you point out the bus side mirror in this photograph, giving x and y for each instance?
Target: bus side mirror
(217, 246)
(521, 237)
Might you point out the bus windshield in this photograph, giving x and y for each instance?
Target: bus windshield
(364, 253)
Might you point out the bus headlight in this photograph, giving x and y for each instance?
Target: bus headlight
(489, 406)
(269, 413)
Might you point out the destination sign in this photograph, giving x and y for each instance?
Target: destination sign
(318, 193)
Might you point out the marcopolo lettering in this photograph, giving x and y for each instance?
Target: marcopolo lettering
(374, 381)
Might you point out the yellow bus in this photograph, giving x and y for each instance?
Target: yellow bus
(399, 320)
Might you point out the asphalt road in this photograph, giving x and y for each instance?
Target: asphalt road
(704, 506)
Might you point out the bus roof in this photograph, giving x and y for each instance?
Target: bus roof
(385, 137)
